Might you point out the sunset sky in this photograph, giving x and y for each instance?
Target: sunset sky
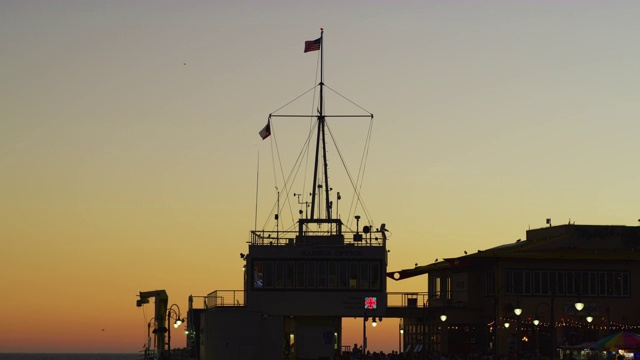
(129, 140)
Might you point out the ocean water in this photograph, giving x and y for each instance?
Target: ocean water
(70, 356)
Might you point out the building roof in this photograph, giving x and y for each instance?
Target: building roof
(563, 242)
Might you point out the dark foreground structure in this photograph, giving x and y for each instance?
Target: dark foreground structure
(560, 287)
(517, 298)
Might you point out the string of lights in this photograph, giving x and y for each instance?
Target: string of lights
(563, 322)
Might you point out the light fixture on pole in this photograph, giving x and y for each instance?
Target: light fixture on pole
(177, 323)
(506, 324)
(443, 317)
(579, 305)
(536, 322)
(589, 318)
(370, 303)
(172, 313)
(517, 310)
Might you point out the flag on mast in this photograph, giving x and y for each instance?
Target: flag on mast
(312, 45)
(266, 131)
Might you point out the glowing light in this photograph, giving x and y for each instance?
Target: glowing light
(517, 311)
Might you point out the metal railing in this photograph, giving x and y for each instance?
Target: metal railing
(229, 298)
(420, 300)
(235, 298)
(413, 299)
(288, 238)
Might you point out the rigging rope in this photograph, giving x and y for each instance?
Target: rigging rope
(299, 96)
(353, 103)
(356, 191)
(292, 174)
(305, 153)
(286, 185)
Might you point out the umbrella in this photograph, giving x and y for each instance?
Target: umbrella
(621, 340)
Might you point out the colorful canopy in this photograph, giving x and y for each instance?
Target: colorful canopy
(622, 340)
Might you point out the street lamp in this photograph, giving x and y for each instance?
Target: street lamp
(370, 303)
(517, 310)
(400, 335)
(580, 305)
(536, 321)
(172, 313)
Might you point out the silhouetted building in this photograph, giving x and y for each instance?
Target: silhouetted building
(543, 276)
(298, 285)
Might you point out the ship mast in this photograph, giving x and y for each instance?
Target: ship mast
(321, 144)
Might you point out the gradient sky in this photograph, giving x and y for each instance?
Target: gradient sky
(128, 140)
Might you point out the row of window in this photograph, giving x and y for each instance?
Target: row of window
(317, 274)
(563, 283)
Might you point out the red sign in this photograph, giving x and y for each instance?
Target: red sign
(370, 302)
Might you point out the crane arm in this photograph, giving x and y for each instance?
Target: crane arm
(161, 300)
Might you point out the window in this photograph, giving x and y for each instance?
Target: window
(593, 283)
(257, 274)
(560, 283)
(279, 274)
(364, 275)
(291, 275)
(526, 289)
(311, 274)
(322, 275)
(319, 274)
(488, 283)
(268, 274)
(437, 283)
(516, 282)
(353, 275)
(375, 275)
(333, 275)
(537, 282)
(625, 284)
(343, 275)
(570, 281)
(564, 283)
(300, 274)
(544, 283)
